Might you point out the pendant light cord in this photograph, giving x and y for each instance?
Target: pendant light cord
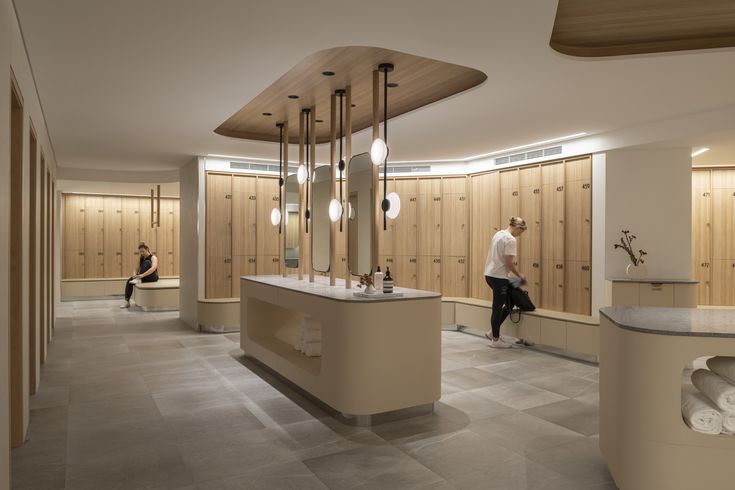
(280, 175)
(341, 137)
(385, 139)
(308, 177)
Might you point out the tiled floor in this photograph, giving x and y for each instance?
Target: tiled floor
(138, 400)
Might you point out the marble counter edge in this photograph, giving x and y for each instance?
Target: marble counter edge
(652, 281)
(613, 314)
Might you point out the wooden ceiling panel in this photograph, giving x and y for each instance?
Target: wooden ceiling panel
(592, 28)
(421, 81)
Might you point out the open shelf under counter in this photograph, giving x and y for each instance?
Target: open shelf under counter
(377, 355)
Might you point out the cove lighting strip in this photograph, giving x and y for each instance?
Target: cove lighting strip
(699, 152)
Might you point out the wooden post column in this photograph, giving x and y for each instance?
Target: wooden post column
(333, 187)
(347, 157)
(302, 198)
(282, 204)
(312, 168)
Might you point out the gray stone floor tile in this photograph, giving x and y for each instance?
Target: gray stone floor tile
(208, 423)
(518, 395)
(580, 461)
(573, 414)
(49, 396)
(287, 476)
(470, 378)
(565, 384)
(475, 406)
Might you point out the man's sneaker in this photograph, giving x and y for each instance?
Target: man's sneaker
(125, 305)
(500, 344)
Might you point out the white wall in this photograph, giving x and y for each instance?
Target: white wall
(599, 246)
(189, 244)
(648, 191)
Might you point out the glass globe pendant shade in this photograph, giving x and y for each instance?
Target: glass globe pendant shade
(301, 174)
(350, 211)
(335, 210)
(275, 216)
(378, 151)
(395, 205)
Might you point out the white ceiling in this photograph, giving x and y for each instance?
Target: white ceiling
(140, 85)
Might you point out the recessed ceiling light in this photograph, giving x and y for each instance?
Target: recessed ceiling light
(699, 152)
(392, 85)
(328, 73)
(293, 96)
(267, 113)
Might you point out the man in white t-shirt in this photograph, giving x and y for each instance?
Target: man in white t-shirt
(500, 263)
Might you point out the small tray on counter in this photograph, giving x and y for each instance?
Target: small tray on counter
(380, 296)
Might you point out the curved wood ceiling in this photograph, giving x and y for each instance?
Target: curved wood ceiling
(622, 27)
(421, 81)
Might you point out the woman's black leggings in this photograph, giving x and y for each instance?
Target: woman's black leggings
(501, 311)
(147, 264)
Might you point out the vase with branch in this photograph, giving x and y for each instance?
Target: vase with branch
(636, 268)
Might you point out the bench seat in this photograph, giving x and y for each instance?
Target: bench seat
(162, 295)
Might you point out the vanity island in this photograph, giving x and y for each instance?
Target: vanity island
(378, 354)
(643, 437)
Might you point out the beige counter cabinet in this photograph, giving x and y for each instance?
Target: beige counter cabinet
(377, 355)
(643, 438)
(651, 292)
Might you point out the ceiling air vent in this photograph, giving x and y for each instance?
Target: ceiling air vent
(258, 167)
(528, 155)
(407, 169)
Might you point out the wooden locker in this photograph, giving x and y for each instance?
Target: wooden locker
(94, 237)
(429, 273)
(429, 217)
(577, 286)
(112, 247)
(73, 238)
(531, 268)
(405, 226)
(148, 234)
(529, 244)
(164, 235)
(406, 271)
(552, 285)
(130, 235)
(267, 238)
(454, 276)
(552, 212)
(244, 215)
(218, 282)
(386, 237)
(702, 234)
(242, 265)
(386, 262)
(177, 237)
(723, 278)
(485, 222)
(454, 217)
(578, 200)
(723, 214)
(509, 196)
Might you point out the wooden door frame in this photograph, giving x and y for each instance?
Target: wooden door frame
(33, 261)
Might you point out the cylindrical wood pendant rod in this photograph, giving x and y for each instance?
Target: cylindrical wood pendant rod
(158, 206)
(153, 209)
(375, 215)
(333, 157)
(345, 188)
(282, 204)
(312, 164)
(302, 198)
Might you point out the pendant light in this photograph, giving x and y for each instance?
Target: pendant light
(335, 206)
(276, 211)
(307, 179)
(391, 204)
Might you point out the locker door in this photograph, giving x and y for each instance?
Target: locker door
(148, 234)
(218, 283)
(244, 229)
(405, 225)
(267, 234)
(578, 200)
(702, 234)
(723, 277)
(242, 265)
(577, 283)
(177, 232)
(454, 276)
(94, 237)
(509, 196)
(429, 217)
(552, 285)
(429, 273)
(73, 238)
(531, 268)
(454, 217)
(406, 271)
(386, 238)
(166, 238)
(112, 236)
(723, 214)
(529, 244)
(130, 235)
(485, 222)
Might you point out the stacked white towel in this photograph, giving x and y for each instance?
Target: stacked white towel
(309, 337)
(724, 366)
(716, 388)
(698, 412)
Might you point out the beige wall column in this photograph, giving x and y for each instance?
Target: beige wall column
(302, 198)
(282, 204)
(312, 168)
(375, 218)
(333, 186)
(345, 177)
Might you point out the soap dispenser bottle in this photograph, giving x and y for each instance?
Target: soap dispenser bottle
(378, 280)
(387, 281)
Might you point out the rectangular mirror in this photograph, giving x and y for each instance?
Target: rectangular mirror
(291, 223)
(359, 228)
(321, 196)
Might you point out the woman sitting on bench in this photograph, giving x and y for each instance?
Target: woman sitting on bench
(147, 272)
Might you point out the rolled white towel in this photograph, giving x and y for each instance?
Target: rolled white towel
(728, 422)
(698, 412)
(313, 349)
(312, 335)
(724, 366)
(719, 391)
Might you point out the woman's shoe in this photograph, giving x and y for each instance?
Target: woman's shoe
(125, 305)
(500, 344)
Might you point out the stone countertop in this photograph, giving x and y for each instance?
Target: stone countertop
(653, 281)
(692, 322)
(321, 287)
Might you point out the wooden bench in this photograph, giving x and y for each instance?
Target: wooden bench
(162, 295)
(562, 333)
